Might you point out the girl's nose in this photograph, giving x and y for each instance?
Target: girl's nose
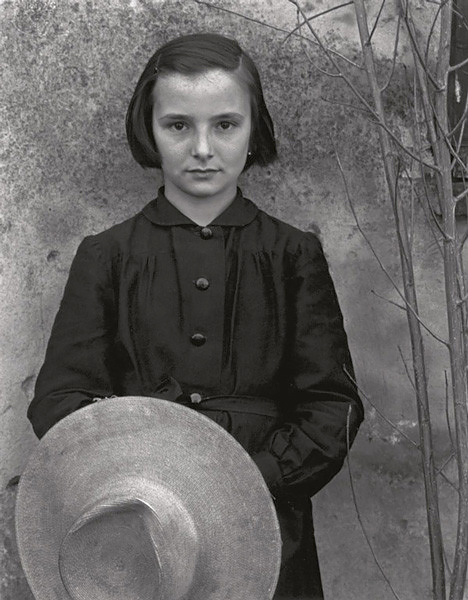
(202, 146)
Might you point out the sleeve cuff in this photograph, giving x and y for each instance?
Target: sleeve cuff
(268, 467)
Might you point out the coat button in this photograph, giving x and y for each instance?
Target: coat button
(206, 233)
(202, 283)
(198, 339)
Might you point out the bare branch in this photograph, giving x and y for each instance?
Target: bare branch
(431, 31)
(403, 240)
(377, 410)
(316, 16)
(311, 60)
(461, 124)
(432, 115)
(395, 427)
(381, 265)
(421, 322)
(429, 221)
(458, 66)
(395, 52)
(461, 120)
(238, 14)
(464, 299)
(463, 240)
(400, 306)
(275, 27)
(415, 46)
(406, 368)
(357, 93)
(451, 484)
(447, 414)
(417, 133)
(376, 20)
(417, 344)
(455, 11)
(445, 463)
(319, 69)
(462, 195)
(347, 105)
(358, 514)
(418, 159)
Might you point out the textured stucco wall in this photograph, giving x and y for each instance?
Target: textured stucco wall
(69, 70)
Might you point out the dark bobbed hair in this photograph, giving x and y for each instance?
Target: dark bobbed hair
(198, 53)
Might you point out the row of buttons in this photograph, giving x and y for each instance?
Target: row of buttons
(198, 339)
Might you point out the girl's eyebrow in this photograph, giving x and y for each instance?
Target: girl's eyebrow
(229, 115)
(173, 116)
(221, 116)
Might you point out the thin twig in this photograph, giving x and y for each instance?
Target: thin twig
(378, 411)
(403, 240)
(455, 11)
(432, 117)
(447, 414)
(462, 300)
(463, 240)
(431, 31)
(311, 60)
(415, 46)
(316, 16)
(462, 195)
(411, 232)
(445, 463)
(275, 27)
(458, 66)
(417, 344)
(423, 205)
(400, 306)
(381, 265)
(358, 513)
(357, 93)
(418, 159)
(395, 52)
(393, 425)
(447, 480)
(406, 368)
(461, 120)
(346, 105)
(382, 4)
(441, 473)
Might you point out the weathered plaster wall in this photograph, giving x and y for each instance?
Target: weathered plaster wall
(69, 70)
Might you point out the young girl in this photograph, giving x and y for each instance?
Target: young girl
(204, 299)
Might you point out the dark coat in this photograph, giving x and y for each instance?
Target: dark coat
(242, 308)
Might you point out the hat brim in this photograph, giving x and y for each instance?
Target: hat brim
(174, 446)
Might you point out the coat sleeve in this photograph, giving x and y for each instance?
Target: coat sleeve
(76, 368)
(322, 409)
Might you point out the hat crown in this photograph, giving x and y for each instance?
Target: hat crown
(136, 541)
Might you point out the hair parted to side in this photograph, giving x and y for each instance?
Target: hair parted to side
(198, 53)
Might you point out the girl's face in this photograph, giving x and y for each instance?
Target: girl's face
(201, 126)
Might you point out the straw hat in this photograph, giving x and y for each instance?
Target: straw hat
(138, 498)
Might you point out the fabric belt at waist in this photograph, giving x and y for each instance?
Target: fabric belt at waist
(255, 405)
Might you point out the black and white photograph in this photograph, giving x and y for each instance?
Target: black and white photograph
(234, 300)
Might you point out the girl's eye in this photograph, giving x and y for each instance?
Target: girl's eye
(177, 126)
(225, 125)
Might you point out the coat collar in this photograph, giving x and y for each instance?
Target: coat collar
(160, 211)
